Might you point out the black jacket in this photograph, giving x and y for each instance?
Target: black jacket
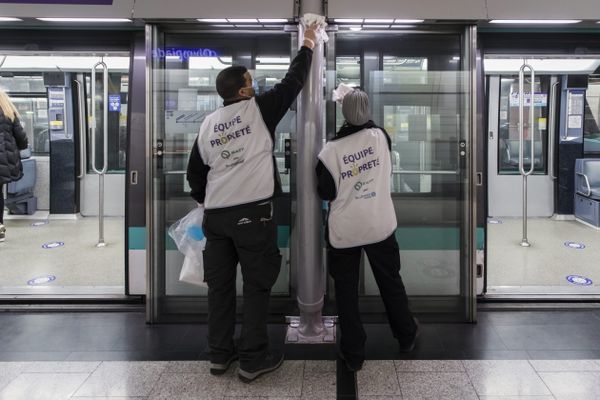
(325, 182)
(12, 139)
(273, 106)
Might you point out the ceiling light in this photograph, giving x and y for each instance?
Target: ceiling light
(213, 20)
(541, 65)
(248, 26)
(10, 19)
(84, 19)
(222, 26)
(272, 20)
(378, 21)
(349, 20)
(242, 20)
(355, 28)
(535, 21)
(408, 21)
(403, 26)
(273, 60)
(376, 26)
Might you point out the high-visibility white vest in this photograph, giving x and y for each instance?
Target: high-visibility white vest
(362, 212)
(235, 142)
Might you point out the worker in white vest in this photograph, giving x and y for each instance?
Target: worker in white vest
(232, 172)
(354, 175)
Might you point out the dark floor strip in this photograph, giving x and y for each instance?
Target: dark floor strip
(346, 382)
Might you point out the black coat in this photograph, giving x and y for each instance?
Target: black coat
(12, 139)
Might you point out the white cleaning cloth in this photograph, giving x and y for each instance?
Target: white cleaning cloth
(308, 19)
(341, 91)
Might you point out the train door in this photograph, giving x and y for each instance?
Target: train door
(540, 122)
(504, 165)
(416, 85)
(185, 66)
(57, 242)
(419, 88)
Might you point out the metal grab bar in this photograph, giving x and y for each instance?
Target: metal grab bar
(552, 127)
(82, 129)
(587, 183)
(525, 174)
(531, 119)
(101, 172)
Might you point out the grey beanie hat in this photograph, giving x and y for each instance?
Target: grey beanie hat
(355, 107)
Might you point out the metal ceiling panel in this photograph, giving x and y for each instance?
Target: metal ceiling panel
(67, 8)
(171, 9)
(409, 9)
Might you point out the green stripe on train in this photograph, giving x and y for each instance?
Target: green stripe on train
(424, 238)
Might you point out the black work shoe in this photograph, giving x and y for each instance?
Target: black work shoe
(219, 368)
(272, 361)
(351, 366)
(407, 347)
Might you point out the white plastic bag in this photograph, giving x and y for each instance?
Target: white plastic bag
(189, 238)
(193, 271)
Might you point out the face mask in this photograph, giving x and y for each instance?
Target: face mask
(254, 88)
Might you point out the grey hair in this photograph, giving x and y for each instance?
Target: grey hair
(355, 108)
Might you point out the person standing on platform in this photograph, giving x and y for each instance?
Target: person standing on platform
(354, 175)
(232, 172)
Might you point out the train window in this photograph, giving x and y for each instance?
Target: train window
(508, 129)
(591, 126)
(118, 84)
(28, 94)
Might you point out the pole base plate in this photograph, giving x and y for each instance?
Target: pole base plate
(327, 336)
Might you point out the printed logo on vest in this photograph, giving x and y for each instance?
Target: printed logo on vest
(225, 154)
(357, 168)
(226, 132)
(244, 221)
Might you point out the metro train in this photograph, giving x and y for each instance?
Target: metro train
(494, 121)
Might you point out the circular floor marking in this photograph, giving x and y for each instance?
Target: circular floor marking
(40, 280)
(575, 245)
(39, 223)
(52, 245)
(579, 280)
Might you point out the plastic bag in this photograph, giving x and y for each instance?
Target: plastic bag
(190, 241)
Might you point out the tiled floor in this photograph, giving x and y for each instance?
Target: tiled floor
(306, 380)
(507, 355)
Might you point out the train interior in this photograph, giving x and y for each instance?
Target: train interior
(53, 214)
(559, 142)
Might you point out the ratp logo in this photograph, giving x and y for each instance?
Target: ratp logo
(225, 154)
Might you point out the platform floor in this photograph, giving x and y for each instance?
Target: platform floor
(78, 267)
(545, 266)
(528, 355)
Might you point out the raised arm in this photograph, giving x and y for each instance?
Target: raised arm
(276, 102)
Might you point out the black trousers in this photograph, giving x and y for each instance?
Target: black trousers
(248, 236)
(384, 258)
(1, 203)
